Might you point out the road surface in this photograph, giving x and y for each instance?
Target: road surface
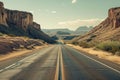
(58, 62)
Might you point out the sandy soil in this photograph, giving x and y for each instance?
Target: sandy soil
(19, 53)
(99, 53)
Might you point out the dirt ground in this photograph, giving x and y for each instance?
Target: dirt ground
(19, 53)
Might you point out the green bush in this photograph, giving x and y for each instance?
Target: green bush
(1, 34)
(12, 35)
(86, 44)
(110, 46)
(75, 43)
(88, 40)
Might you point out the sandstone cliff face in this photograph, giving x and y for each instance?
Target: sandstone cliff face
(21, 24)
(3, 14)
(37, 26)
(109, 29)
(19, 18)
(114, 17)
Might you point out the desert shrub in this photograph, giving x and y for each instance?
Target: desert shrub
(117, 53)
(110, 46)
(83, 44)
(12, 35)
(93, 36)
(75, 43)
(86, 44)
(1, 34)
(88, 40)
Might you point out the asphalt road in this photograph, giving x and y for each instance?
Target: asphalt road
(58, 62)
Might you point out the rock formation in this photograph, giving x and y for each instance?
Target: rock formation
(3, 14)
(109, 29)
(21, 24)
(19, 18)
(9, 44)
(37, 26)
(114, 17)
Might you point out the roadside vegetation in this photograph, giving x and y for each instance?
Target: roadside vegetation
(84, 44)
(109, 46)
(1, 34)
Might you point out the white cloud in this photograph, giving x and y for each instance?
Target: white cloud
(31, 12)
(74, 1)
(76, 23)
(53, 12)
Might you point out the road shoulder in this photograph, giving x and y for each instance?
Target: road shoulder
(98, 53)
(20, 53)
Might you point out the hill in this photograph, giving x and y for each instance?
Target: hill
(55, 31)
(67, 34)
(109, 29)
(82, 30)
(9, 43)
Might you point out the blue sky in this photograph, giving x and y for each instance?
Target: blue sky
(64, 13)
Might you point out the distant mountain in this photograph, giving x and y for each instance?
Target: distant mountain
(66, 33)
(109, 29)
(82, 30)
(52, 32)
(20, 23)
(63, 33)
(79, 31)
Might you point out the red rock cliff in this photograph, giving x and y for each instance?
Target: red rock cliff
(114, 17)
(18, 18)
(37, 26)
(3, 15)
(109, 29)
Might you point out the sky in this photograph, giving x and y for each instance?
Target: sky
(71, 14)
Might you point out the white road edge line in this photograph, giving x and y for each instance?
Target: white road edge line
(12, 65)
(101, 63)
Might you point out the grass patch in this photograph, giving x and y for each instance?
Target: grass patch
(110, 46)
(1, 34)
(12, 35)
(84, 44)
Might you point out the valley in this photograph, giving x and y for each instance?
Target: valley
(59, 40)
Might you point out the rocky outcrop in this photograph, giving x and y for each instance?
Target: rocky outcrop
(9, 44)
(21, 24)
(114, 17)
(109, 29)
(37, 26)
(19, 18)
(3, 14)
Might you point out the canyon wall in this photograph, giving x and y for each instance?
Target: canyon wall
(109, 29)
(20, 23)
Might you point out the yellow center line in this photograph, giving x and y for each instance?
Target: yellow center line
(59, 74)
